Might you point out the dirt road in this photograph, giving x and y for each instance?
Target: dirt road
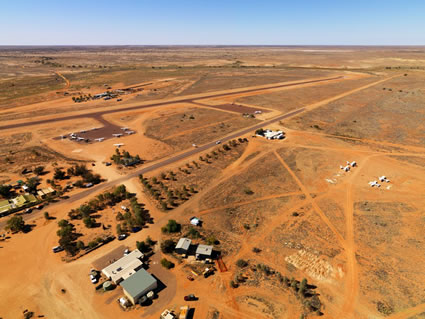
(68, 84)
(165, 162)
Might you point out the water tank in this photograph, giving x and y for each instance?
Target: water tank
(150, 295)
(107, 285)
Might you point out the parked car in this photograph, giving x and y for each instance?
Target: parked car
(28, 210)
(190, 278)
(190, 297)
(108, 164)
(122, 237)
(57, 249)
(136, 229)
(119, 100)
(93, 279)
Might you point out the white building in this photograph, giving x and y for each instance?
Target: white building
(183, 246)
(203, 251)
(125, 267)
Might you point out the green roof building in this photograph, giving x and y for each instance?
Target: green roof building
(23, 200)
(5, 207)
(138, 285)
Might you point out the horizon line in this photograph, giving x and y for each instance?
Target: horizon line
(212, 45)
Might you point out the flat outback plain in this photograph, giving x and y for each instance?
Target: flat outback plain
(322, 219)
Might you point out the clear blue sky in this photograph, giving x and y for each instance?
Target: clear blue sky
(152, 22)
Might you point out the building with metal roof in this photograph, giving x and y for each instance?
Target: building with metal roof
(203, 251)
(138, 285)
(5, 207)
(124, 267)
(183, 245)
(23, 200)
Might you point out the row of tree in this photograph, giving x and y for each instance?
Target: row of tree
(301, 289)
(167, 197)
(82, 98)
(100, 202)
(78, 170)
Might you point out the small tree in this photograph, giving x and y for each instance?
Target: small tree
(89, 222)
(193, 233)
(39, 170)
(46, 216)
(248, 191)
(141, 245)
(80, 245)
(167, 246)
(149, 241)
(92, 244)
(171, 227)
(166, 263)
(119, 229)
(241, 263)
(59, 174)
(233, 284)
(15, 224)
(211, 240)
(5, 190)
(63, 223)
(303, 287)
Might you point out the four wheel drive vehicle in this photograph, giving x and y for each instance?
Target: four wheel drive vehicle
(93, 279)
(136, 229)
(190, 297)
(218, 142)
(208, 271)
(190, 278)
(57, 249)
(122, 237)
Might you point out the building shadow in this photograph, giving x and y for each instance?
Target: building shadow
(160, 285)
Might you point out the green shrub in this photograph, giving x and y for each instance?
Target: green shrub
(241, 263)
(166, 263)
(167, 246)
